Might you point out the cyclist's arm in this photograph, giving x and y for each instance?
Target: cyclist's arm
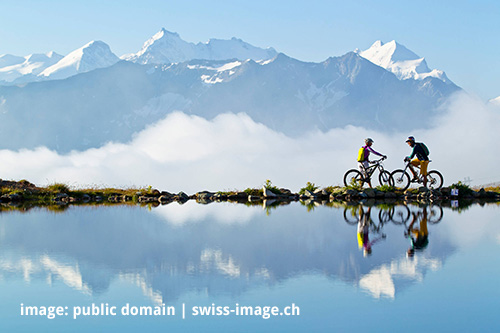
(413, 152)
(373, 151)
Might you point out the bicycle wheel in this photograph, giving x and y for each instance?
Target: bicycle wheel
(400, 214)
(353, 178)
(435, 215)
(351, 215)
(384, 215)
(401, 179)
(434, 180)
(385, 178)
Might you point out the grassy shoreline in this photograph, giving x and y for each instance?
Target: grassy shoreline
(26, 194)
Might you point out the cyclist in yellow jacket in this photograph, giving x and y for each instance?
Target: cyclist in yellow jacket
(364, 162)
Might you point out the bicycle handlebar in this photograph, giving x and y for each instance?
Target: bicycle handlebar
(379, 160)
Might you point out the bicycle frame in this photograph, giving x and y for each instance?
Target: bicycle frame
(420, 176)
(377, 165)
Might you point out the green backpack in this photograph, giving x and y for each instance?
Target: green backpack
(424, 147)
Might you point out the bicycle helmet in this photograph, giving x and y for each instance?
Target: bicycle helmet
(367, 140)
(410, 139)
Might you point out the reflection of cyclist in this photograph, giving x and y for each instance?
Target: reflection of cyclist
(418, 236)
(364, 161)
(421, 160)
(363, 231)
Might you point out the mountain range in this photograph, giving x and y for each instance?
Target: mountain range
(91, 96)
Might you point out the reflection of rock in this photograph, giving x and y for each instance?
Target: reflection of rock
(268, 203)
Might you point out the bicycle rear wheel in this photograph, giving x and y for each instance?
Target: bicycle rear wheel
(385, 178)
(353, 178)
(434, 180)
(401, 179)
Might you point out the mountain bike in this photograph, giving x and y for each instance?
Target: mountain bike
(354, 214)
(402, 179)
(398, 214)
(401, 214)
(355, 177)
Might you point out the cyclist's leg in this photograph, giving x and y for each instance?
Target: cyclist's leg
(423, 170)
(363, 168)
(415, 162)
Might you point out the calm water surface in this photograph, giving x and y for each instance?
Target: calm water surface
(335, 269)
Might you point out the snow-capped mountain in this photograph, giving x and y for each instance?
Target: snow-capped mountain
(76, 107)
(495, 101)
(9, 60)
(93, 55)
(14, 67)
(401, 61)
(167, 47)
(285, 94)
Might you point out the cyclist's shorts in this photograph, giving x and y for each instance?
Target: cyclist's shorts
(362, 167)
(421, 164)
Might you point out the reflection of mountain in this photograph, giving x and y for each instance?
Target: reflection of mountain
(88, 248)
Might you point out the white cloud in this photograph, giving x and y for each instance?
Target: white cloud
(224, 213)
(189, 153)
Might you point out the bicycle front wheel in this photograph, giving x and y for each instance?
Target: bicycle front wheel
(401, 179)
(434, 180)
(351, 215)
(435, 214)
(353, 178)
(385, 178)
(400, 214)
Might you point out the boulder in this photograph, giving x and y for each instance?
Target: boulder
(370, 193)
(164, 199)
(14, 197)
(351, 192)
(181, 197)
(285, 191)
(321, 193)
(423, 189)
(309, 194)
(267, 193)
(253, 198)
(390, 195)
(204, 196)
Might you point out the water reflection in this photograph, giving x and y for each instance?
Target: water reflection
(223, 249)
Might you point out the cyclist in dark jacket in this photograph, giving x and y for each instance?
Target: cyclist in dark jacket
(421, 160)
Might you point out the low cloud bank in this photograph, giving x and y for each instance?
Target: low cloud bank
(189, 153)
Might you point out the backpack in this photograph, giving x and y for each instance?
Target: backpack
(361, 154)
(424, 147)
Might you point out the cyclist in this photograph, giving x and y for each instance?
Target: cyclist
(421, 160)
(364, 223)
(363, 159)
(419, 237)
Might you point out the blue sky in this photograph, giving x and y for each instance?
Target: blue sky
(460, 37)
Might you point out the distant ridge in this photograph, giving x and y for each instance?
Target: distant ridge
(168, 47)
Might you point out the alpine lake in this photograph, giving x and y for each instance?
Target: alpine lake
(227, 267)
